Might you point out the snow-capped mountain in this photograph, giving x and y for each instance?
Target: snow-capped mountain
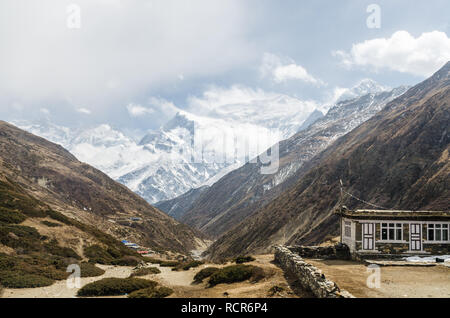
(194, 148)
(364, 87)
(188, 151)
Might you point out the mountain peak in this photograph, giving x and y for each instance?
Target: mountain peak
(362, 88)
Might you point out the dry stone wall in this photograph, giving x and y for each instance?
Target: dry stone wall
(310, 277)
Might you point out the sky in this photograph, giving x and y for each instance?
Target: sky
(134, 64)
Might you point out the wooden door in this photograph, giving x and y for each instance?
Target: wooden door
(368, 236)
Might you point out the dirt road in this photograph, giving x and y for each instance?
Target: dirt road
(395, 281)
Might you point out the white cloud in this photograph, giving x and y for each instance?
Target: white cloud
(401, 52)
(136, 110)
(255, 106)
(122, 49)
(84, 111)
(285, 70)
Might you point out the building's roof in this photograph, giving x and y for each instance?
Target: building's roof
(394, 214)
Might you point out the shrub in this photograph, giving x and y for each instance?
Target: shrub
(152, 292)
(90, 270)
(98, 254)
(145, 271)
(53, 248)
(153, 260)
(115, 286)
(53, 268)
(127, 261)
(59, 217)
(111, 256)
(17, 279)
(169, 263)
(244, 259)
(193, 264)
(235, 273)
(50, 224)
(11, 217)
(204, 273)
(18, 236)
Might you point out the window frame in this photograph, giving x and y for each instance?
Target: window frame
(392, 226)
(440, 228)
(347, 226)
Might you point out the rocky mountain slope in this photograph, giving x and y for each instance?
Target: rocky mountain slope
(397, 159)
(243, 191)
(52, 175)
(178, 206)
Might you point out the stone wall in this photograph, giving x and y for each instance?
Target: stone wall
(338, 251)
(437, 249)
(310, 277)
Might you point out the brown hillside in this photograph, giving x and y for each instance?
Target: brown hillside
(54, 176)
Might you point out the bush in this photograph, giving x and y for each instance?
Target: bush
(235, 273)
(11, 217)
(145, 271)
(53, 248)
(127, 261)
(152, 292)
(115, 286)
(98, 254)
(50, 224)
(17, 279)
(204, 273)
(169, 263)
(90, 270)
(18, 236)
(59, 217)
(53, 268)
(244, 259)
(188, 266)
(111, 256)
(152, 260)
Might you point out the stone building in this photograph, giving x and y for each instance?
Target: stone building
(395, 233)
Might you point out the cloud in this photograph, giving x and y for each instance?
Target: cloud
(136, 110)
(285, 70)
(84, 111)
(401, 52)
(247, 104)
(123, 48)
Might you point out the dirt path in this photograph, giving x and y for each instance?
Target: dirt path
(396, 281)
(181, 282)
(60, 289)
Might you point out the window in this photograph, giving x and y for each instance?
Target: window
(438, 232)
(347, 229)
(391, 232)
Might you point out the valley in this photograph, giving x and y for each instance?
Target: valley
(389, 148)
